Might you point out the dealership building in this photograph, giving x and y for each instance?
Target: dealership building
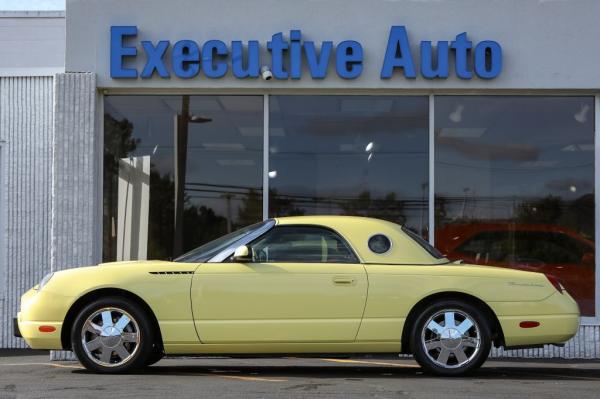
(140, 130)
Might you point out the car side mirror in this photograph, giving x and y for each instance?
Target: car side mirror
(242, 254)
(588, 258)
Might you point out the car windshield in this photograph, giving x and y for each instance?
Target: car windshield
(204, 252)
(426, 246)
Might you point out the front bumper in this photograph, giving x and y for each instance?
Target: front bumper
(40, 310)
(16, 331)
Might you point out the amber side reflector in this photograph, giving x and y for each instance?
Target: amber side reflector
(529, 324)
(46, 328)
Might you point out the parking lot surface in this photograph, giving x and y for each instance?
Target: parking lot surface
(385, 377)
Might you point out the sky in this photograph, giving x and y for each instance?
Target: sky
(32, 5)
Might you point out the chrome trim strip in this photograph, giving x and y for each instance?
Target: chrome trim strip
(227, 252)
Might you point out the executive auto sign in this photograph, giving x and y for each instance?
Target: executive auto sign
(213, 59)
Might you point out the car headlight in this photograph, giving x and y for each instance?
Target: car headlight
(44, 281)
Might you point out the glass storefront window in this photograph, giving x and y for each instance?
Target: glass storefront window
(351, 155)
(514, 175)
(514, 185)
(179, 171)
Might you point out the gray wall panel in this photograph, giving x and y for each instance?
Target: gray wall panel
(75, 235)
(74, 215)
(561, 55)
(26, 130)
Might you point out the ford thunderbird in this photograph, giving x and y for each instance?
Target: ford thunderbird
(305, 286)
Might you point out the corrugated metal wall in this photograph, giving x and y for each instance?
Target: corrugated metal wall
(75, 174)
(584, 345)
(75, 217)
(26, 128)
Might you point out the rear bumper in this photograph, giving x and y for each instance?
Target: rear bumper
(557, 315)
(553, 329)
(16, 331)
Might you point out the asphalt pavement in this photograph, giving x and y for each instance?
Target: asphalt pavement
(34, 376)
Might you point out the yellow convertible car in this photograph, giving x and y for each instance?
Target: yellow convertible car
(297, 285)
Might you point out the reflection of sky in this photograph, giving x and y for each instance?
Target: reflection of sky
(517, 147)
(498, 149)
(318, 147)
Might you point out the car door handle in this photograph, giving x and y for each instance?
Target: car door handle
(343, 280)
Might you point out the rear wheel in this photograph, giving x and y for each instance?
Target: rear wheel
(112, 335)
(451, 338)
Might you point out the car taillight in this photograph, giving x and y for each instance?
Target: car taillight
(555, 282)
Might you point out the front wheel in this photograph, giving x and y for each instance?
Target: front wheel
(451, 338)
(112, 335)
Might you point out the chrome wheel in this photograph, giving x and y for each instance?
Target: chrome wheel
(110, 337)
(451, 338)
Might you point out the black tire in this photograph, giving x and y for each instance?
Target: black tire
(451, 341)
(156, 355)
(140, 350)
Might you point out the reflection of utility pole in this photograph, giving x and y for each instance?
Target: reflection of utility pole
(181, 139)
(228, 197)
(464, 208)
(182, 122)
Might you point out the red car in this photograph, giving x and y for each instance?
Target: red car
(541, 248)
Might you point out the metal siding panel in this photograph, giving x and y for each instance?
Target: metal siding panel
(584, 345)
(74, 214)
(26, 128)
(74, 180)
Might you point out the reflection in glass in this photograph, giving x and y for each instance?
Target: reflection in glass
(217, 165)
(351, 155)
(515, 185)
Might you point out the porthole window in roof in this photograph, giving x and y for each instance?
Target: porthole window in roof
(379, 244)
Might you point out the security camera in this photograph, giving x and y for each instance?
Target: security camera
(266, 73)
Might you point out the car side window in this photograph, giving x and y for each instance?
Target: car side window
(302, 244)
(489, 246)
(523, 247)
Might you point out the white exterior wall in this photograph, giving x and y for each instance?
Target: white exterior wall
(32, 43)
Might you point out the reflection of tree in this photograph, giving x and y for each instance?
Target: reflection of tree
(544, 210)
(388, 208)
(118, 144)
(200, 225)
(283, 205)
(160, 215)
(577, 215)
(251, 209)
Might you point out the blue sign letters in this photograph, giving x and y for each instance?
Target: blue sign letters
(292, 57)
